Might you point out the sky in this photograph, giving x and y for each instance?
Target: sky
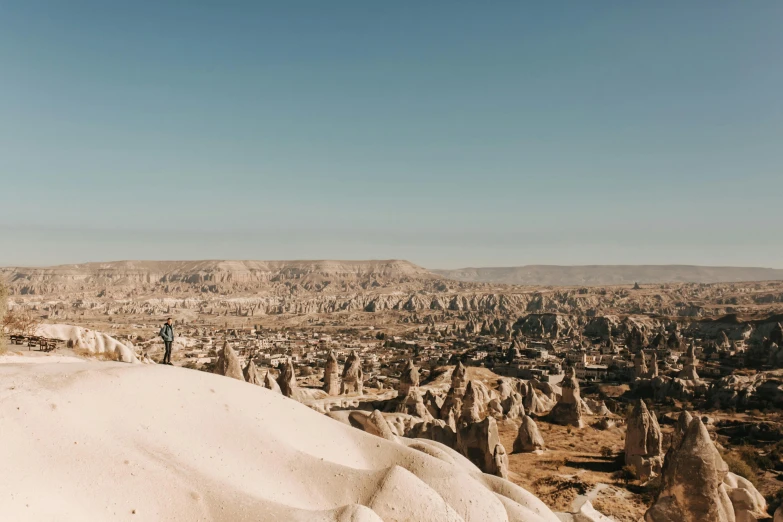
(449, 133)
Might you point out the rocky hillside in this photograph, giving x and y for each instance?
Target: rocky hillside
(599, 275)
(217, 276)
(258, 288)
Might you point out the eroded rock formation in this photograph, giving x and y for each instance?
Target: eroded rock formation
(697, 484)
(409, 380)
(332, 375)
(528, 437)
(353, 376)
(270, 383)
(643, 448)
(287, 379)
(251, 374)
(479, 442)
(228, 363)
(568, 410)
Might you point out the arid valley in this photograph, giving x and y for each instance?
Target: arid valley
(351, 261)
(651, 401)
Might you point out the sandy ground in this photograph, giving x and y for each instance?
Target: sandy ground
(97, 441)
(38, 358)
(571, 466)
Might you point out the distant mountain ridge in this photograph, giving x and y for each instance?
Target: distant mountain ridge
(225, 276)
(601, 275)
(218, 276)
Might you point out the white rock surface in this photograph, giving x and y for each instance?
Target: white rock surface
(108, 441)
(96, 343)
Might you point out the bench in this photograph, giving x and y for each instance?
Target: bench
(47, 345)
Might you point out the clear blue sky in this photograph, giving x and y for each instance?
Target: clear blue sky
(448, 133)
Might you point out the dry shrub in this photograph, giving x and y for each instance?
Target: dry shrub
(19, 321)
(626, 475)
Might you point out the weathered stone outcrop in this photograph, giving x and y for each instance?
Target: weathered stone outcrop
(413, 404)
(436, 430)
(471, 409)
(653, 366)
(270, 383)
(409, 380)
(251, 374)
(379, 423)
(451, 409)
(749, 505)
(512, 406)
(528, 439)
(693, 482)
(459, 376)
(762, 390)
(228, 363)
(690, 362)
(433, 403)
(596, 406)
(505, 388)
(495, 409)
(332, 375)
(643, 448)
(479, 441)
(482, 394)
(683, 421)
(530, 401)
(568, 410)
(640, 365)
(353, 376)
(287, 379)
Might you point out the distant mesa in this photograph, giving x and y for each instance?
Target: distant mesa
(214, 275)
(338, 276)
(604, 275)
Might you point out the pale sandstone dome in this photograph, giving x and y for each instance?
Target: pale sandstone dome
(96, 343)
(150, 442)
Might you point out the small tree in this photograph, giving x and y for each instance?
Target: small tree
(21, 321)
(627, 474)
(606, 452)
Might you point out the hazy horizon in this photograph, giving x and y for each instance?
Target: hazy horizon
(452, 135)
(435, 268)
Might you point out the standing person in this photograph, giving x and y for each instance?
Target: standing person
(167, 333)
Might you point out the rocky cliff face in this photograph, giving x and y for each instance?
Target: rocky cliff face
(213, 275)
(253, 288)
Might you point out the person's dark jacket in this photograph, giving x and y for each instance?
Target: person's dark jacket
(167, 332)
